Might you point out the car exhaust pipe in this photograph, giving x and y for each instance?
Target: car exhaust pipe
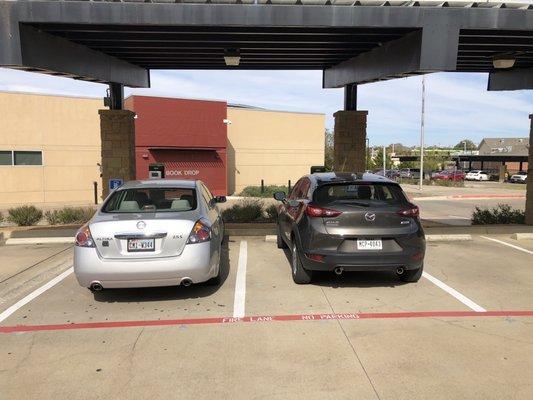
(339, 270)
(400, 270)
(96, 287)
(186, 282)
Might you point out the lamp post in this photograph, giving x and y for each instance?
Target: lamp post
(422, 133)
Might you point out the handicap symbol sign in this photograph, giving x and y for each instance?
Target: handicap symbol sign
(115, 183)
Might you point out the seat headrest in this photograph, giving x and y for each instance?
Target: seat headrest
(180, 205)
(130, 205)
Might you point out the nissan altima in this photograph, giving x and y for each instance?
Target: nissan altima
(350, 222)
(151, 233)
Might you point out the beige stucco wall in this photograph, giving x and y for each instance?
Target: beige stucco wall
(272, 145)
(67, 131)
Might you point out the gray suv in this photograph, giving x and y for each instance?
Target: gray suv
(350, 222)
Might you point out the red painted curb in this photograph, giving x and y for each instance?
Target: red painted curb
(259, 319)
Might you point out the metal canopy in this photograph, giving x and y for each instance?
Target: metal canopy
(352, 42)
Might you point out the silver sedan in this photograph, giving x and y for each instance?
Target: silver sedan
(151, 233)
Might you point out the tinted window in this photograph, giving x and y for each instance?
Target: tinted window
(28, 158)
(151, 200)
(5, 158)
(296, 190)
(359, 192)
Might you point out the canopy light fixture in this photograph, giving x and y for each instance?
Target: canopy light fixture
(503, 62)
(232, 57)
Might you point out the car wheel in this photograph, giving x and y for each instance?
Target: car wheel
(300, 275)
(279, 240)
(412, 275)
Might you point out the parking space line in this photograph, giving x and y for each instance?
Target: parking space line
(21, 303)
(508, 244)
(462, 298)
(240, 282)
(265, 319)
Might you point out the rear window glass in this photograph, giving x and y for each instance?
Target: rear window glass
(151, 200)
(367, 193)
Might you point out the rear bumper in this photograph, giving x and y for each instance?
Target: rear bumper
(411, 257)
(197, 262)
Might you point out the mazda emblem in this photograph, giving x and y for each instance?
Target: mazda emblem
(141, 225)
(370, 217)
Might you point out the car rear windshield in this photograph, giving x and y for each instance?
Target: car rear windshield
(367, 193)
(151, 200)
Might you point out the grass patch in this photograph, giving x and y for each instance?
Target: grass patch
(501, 214)
(69, 215)
(255, 191)
(25, 215)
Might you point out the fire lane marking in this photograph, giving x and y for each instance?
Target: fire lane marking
(264, 319)
(508, 244)
(240, 282)
(459, 296)
(22, 302)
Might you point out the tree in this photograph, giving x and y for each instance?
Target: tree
(328, 150)
(378, 159)
(470, 145)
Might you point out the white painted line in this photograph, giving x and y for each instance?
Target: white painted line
(271, 238)
(459, 217)
(21, 303)
(41, 240)
(240, 282)
(462, 298)
(509, 245)
(448, 238)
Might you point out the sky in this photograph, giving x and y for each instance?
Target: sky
(457, 104)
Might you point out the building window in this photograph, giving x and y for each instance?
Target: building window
(28, 157)
(6, 157)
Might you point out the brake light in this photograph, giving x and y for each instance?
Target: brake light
(84, 238)
(201, 232)
(412, 211)
(315, 257)
(321, 212)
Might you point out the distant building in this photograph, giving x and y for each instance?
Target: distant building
(509, 146)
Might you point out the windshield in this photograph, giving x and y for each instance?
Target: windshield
(151, 200)
(359, 193)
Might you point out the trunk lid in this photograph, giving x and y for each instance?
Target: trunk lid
(169, 232)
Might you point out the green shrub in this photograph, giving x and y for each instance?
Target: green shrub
(25, 215)
(1, 217)
(69, 215)
(272, 213)
(501, 214)
(255, 191)
(245, 211)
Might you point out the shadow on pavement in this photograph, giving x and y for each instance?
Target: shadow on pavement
(352, 279)
(168, 292)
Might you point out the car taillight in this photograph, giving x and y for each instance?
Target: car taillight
(321, 212)
(412, 211)
(201, 232)
(84, 238)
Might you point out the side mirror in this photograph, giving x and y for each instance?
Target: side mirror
(220, 199)
(280, 196)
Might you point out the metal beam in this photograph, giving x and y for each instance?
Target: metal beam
(350, 97)
(434, 48)
(45, 52)
(514, 79)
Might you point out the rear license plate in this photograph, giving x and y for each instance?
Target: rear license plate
(374, 244)
(141, 244)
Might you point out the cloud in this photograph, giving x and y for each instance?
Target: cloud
(457, 105)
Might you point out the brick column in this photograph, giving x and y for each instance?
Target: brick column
(117, 131)
(349, 152)
(529, 189)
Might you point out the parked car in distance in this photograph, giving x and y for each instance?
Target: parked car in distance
(350, 222)
(477, 175)
(449, 176)
(519, 177)
(412, 173)
(151, 233)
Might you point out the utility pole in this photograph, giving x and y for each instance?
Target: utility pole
(422, 132)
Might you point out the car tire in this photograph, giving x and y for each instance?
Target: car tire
(300, 275)
(412, 275)
(279, 240)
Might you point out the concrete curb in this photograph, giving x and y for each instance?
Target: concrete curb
(448, 238)
(522, 236)
(470, 197)
(41, 240)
